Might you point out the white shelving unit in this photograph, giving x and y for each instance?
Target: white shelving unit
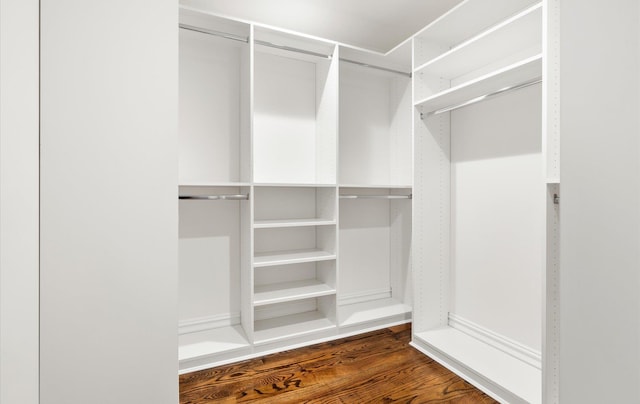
(478, 144)
(273, 122)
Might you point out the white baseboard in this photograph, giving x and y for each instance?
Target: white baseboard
(367, 296)
(502, 343)
(208, 323)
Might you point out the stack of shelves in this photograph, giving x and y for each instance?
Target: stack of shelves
(294, 262)
(506, 54)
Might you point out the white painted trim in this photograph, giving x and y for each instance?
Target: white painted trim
(366, 296)
(258, 353)
(208, 323)
(497, 341)
(479, 381)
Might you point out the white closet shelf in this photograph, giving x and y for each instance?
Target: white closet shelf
(522, 31)
(211, 342)
(522, 71)
(469, 18)
(269, 224)
(285, 185)
(479, 360)
(364, 312)
(292, 326)
(377, 186)
(290, 291)
(214, 184)
(291, 257)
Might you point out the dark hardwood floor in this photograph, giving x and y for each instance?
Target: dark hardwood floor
(377, 367)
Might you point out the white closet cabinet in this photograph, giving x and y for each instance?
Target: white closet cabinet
(486, 179)
(295, 184)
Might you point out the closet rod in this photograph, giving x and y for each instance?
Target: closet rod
(376, 67)
(287, 48)
(376, 196)
(221, 34)
(483, 97)
(239, 197)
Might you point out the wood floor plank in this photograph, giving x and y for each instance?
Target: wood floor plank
(379, 367)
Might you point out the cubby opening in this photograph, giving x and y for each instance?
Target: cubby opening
(375, 264)
(294, 206)
(291, 320)
(295, 110)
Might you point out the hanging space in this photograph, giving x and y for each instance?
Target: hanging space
(375, 185)
(214, 188)
(480, 199)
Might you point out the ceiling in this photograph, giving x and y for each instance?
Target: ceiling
(377, 25)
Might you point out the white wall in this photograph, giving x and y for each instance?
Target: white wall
(109, 81)
(19, 201)
(600, 204)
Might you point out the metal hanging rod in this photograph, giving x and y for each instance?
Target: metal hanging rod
(284, 47)
(376, 196)
(291, 49)
(221, 34)
(483, 97)
(239, 197)
(376, 67)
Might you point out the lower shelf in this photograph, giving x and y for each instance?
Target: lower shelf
(497, 373)
(289, 291)
(211, 342)
(291, 326)
(373, 310)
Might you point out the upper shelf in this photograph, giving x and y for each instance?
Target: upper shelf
(518, 33)
(520, 72)
(464, 21)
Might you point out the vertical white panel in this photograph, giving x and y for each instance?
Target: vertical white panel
(19, 201)
(109, 201)
(431, 220)
(400, 140)
(327, 75)
(600, 204)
